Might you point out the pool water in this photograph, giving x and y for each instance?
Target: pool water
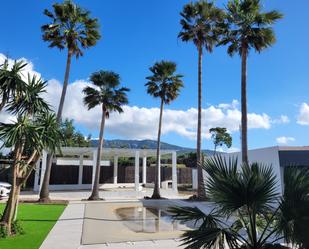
(148, 219)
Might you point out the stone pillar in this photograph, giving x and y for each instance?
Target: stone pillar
(80, 170)
(159, 171)
(144, 170)
(136, 171)
(37, 176)
(94, 159)
(43, 167)
(115, 173)
(174, 171)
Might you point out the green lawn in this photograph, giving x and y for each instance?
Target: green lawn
(37, 220)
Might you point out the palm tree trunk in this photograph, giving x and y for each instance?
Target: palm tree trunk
(244, 141)
(200, 185)
(44, 193)
(95, 189)
(156, 190)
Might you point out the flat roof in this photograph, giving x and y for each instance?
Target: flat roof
(111, 152)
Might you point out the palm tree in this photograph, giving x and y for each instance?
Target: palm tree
(73, 29)
(35, 129)
(294, 218)
(106, 94)
(247, 27)
(10, 81)
(199, 25)
(166, 85)
(245, 208)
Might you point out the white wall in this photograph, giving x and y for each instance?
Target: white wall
(268, 156)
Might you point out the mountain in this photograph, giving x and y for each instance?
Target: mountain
(144, 144)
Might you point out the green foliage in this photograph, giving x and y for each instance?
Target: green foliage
(243, 210)
(17, 228)
(11, 83)
(105, 92)
(71, 27)
(220, 137)
(248, 27)
(163, 82)
(71, 137)
(189, 159)
(200, 24)
(29, 100)
(294, 218)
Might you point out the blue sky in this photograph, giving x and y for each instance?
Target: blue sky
(138, 33)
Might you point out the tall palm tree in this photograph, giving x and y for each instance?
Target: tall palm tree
(247, 28)
(199, 25)
(71, 28)
(245, 208)
(107, 94)
(165, 84)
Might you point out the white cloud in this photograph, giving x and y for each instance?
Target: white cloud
(283, 119)
(284, 140)
(303, 115)
(141, 123)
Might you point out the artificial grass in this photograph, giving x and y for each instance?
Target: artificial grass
(37, 220)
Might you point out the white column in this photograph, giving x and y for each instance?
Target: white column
(115, 169)
(144, 170)
(159, 171)
(174, 171)
(43, 167)
(136, 171)
(36, 176)
(80, 170)
(94, 155)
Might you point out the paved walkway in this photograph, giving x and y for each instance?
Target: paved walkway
(67, 232)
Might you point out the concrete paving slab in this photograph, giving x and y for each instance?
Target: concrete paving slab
(67, 232)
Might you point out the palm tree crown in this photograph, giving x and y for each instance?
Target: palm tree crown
(248, 27)
(199, 24)
(164, 83)
(71, 28)
(106, 92)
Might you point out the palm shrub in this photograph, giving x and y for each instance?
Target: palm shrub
(199, 24)
(164, 84)
(106, 94)
(246, 208)
(35, 129)
(294, 216)
(247, 27)
(11, 82)
(72, 28)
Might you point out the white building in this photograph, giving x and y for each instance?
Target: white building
(279, 157)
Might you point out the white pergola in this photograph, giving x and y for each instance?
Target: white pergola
(86, 156)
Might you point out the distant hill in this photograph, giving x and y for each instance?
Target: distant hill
(144, 144)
